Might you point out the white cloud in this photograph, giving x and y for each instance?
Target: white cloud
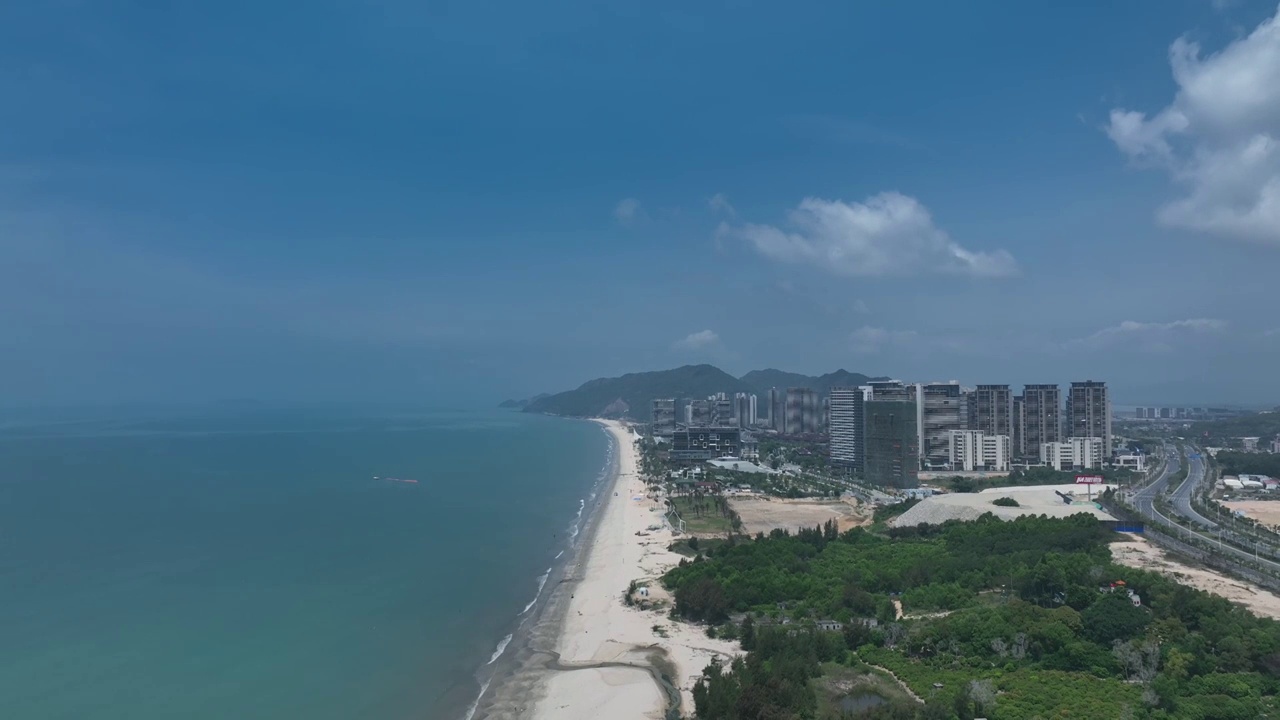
(627, 210)
(888, 234)
(868, 340)
(860, 307)
(698, 341)
(1149, 337)
(720, 205)
(1219, 138)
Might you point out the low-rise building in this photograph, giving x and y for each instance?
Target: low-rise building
(1136, 462)
(699, 444)
(1077, 453)
(971, 450)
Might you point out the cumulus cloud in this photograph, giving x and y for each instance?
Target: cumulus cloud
(1149, 337)
(868, 340)
(720, 205)
(627, 210)
(1219, 139)
(698, 341)
(887, 234)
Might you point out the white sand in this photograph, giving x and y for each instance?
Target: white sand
(1032, 500)
(599, 628)
(1139, 553)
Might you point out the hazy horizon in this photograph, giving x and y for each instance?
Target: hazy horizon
(454, 205)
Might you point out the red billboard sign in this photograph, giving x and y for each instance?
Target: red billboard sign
(1088, 479)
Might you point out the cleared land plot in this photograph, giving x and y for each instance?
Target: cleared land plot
(1266, 512)
(1139, 553)
(765, 514)
(1032, 500)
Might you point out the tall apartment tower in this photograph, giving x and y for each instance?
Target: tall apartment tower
(940, 408)
(991, 410)
(742, 410)
(891, 444)
(802, 411)
(1089, 412)
(777, 410)
(848, 441)
(753, 410)
(1017, 424)
(664, 417)
(722, 414)
(1041, 418)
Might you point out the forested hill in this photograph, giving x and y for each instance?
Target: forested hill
(761, 380)
(631, 395)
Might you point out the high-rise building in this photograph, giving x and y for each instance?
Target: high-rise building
(1041, 418)
(722, 414)
(892, 390)
(973, 450)
(1080, 453)
(812, 412)
(848, 442)
(802, 411)
(940, 408)
(698, 413)
(753, 415)
(664, 417)
(742, 410)
(1017, 424)
(777, 410)
(1089, 412)
(991, 410)
(892, 446)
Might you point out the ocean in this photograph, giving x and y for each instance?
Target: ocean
(248, 564)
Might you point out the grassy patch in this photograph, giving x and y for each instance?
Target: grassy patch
(1024, 692)
(701, 516)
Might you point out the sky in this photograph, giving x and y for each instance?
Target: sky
(464, 201)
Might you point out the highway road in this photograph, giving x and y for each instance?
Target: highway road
(1183, 493)
(1144, 501)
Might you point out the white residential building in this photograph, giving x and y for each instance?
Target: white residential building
(1084, 453)
(971, 450)
(1136, 463)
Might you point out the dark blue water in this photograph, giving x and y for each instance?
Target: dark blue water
(249, 566)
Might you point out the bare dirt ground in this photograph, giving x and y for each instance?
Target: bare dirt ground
(1266, 512)
(1139, 553)
(764, 514)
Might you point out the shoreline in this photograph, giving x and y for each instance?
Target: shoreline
(504, 691)
(589, 655)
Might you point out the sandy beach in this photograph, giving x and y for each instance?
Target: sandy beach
(593, 656)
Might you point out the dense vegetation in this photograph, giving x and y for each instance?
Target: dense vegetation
(1228, 431)
(1234, 463)
(1006, 620)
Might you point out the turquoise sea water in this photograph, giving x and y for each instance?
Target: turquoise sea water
(248, 566)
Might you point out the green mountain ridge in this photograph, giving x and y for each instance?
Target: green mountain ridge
(632, 395)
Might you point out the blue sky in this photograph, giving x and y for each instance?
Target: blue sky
(454, 201)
